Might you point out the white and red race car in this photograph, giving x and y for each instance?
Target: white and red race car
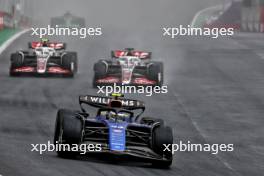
(128, 67)
(44, 58)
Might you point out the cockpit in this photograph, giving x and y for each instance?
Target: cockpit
(115, 116)
(44, 51)
(129, 61)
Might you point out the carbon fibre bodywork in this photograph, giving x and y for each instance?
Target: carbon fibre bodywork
(50, 60)
(122, 138)
(117, 129)
(128, 67)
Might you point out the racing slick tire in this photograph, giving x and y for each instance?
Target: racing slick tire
(150, 120)
(100, 71)
(16, 61)
(156, 72)
(69, 61)
(162, 135)
(68, 129)
(75, 60)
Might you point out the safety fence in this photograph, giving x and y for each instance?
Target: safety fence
(252, 16)
(244, 15)
(15, 13)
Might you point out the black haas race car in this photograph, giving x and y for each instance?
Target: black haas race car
(68, 20)
(44, 58)
(117, 127)
(128, 67)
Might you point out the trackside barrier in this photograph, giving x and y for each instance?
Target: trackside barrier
(229, 17)
(247, 16)
(1, 20)
(8, 21)
(252, 15)
(262, 18)
(16, 13)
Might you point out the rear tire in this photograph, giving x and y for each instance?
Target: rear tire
(68, 130)
(70, 62)
(162, 135)
(155, 72)
(100, 71)
(75, 60)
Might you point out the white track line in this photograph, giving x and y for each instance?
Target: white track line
(203, 11)
(188, 113)
(11, 40)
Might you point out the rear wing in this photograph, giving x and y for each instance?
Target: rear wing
(104, 102)
(122, 53)
(55, 45)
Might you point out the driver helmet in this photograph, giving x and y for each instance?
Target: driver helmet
(111, 115)
(45, 42)
(130, 51)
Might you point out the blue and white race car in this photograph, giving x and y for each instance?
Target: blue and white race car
(117, 129)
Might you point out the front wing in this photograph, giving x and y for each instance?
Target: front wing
(111, 80)
(32, 71)
(138, 152)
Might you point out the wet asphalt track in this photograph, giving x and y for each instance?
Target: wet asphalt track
(215, 96)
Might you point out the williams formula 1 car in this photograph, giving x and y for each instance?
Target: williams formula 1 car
(128, 67)
(117, 128)
(44, 58)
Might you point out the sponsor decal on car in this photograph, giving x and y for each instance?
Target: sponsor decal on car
(117, 136)
(101, 100)
(143, 81)
(24, 69)
(41, 66)
(140, 54)
(58, 70)
(108, 80)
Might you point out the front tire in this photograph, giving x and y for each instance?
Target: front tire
(16, 61)
(68, 130)
(162, 135)
(70, 61)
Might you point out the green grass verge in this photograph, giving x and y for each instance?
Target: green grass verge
(5, 34)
